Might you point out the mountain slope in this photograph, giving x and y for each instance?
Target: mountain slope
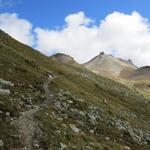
(47, 104)
(122, 71)
(141, 73)
(141, 79)
(108, 65)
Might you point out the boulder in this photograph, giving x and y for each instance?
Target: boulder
(5, 84)
(36, 144)
(102, 53)
(63, 146)
(1, 143)
(74, 128)
(4, 92)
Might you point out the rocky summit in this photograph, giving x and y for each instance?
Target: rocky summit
(46, 104)
(63, 58)
(108, 65)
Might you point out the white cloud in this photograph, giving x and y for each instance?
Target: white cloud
(125, 35)
(128, 35)
(18, 28)
(78, 19)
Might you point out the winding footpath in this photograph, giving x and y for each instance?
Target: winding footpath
(27, 124)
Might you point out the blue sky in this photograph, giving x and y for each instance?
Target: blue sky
(81, 28)
(51, 13)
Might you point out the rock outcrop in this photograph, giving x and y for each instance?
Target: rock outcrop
(4, 87)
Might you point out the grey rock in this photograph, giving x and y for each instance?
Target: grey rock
(91, 131)
(107, 138)
(102, 53)
(36, 144)
(58, 104)
(57, 132)
(1, 112)
(127, 147)
(7, 113)
(130, 61)
(63, 146)
(80, 100)
(69, 101)
(1, 143)
(5, 84)
(4, 92)
(136, 134)
(60, 119)
(105, 101)
(74, 128)
(94, 115)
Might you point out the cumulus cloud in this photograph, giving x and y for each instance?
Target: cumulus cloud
(20, 29)
(124, 35)
(128, 35)
(78, 19)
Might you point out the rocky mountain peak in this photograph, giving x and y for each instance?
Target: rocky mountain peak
(101, 53)
(130, 61)
(107, 64)
(63, 58)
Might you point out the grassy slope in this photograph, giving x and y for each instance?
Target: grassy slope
(135, 82)
(27, 69)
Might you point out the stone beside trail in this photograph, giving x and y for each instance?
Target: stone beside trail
(5, 87)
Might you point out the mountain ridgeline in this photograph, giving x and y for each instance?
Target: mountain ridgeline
(54, 103)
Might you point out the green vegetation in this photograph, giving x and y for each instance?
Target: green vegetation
(85, 110)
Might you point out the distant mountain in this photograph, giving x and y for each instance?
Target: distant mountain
(108, 65)
(121, 70)
(141, 79)
(141, 73)
(63, 58)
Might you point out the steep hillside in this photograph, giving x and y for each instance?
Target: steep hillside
(108, 65)
(46, 104)
(141, 79)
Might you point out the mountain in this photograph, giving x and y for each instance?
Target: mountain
(141, 79)
(63, 58)
(141, 73)
(47, 104)
(123, 71)
(108, 65)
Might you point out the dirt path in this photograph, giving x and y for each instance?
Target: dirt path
(27, 127)
(27, 124)
(48, 93)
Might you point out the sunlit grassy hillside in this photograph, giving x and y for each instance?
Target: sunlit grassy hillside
(82, 111)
